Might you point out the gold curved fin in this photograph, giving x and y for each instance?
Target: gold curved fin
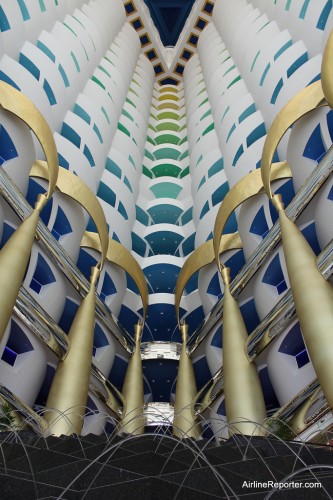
(119, 255)
(326, 71)
(17, 103)
(72, 186)
(302, 103)
(248, 186)
(200, 258)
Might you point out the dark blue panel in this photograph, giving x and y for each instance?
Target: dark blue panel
(7, 149)
(61, 224)
(100, 339)
(85, 263)
(63, 162)
(122, 210)
(9, 356)
(7, 79)
(139, 246)
(315, 147)
(274, 275)
(7, 231)
(188, 245)
(259, 224)
(127, 318)
(49, 93)
(89, 156)
(309, 232)
(164, 242)
(202, 372)
(192, 283)
(187, 217)
(286, 190)
(330, 194)
(235, 262)
(160, 375)
(217, 340)
(106, 194)
(329, 119)
(256, 134)
(269, 393)
(297, 64)
(118, 372)
(220, 193)
(162, 277)
(42, 276)
(204, 210)
(18, 340)
(68, 314)
(70, 134)
(141, 215)
(221, 409)
(169, 18)
(34, 189)
(45, 389)
(29, 65)
(250, 315)
(108, 287)
(112, 167)
(216, 167)
(214, 286)
(321, 24)
(293, 342)
(4, 24)
(194, 319)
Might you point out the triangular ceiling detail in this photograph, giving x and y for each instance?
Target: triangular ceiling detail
(169, 17)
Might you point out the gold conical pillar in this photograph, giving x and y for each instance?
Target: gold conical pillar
(68, 395)
(313, 297)
(14, 258)
(184, 422)
(244, 401)
(133, 421)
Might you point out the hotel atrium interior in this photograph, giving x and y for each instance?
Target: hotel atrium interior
(152, 278)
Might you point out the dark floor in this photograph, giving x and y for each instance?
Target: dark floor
(158, 468)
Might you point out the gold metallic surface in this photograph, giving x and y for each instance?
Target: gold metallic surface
(244, 401)
(302, 103)
(14, 258)
(326, 71)
(72, 186)
(15, 254)
(202, 256)
(313, 297)
(17, 103)
(248, 186)
(118, 254)
(133, 421)
(298, 422)
(67, 398)
(184, 422)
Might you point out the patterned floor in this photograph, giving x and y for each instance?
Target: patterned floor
(157, 467)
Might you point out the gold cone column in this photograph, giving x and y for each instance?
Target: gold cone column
(14, 258)
(69, 391)
(244, 401)
(184, 422)
(133, 421)
(313, 297)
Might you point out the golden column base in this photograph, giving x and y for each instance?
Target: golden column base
(184, 422)
(313, 297)
(133, 421)
(244, 401)
(68, 395)
(14, 258)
